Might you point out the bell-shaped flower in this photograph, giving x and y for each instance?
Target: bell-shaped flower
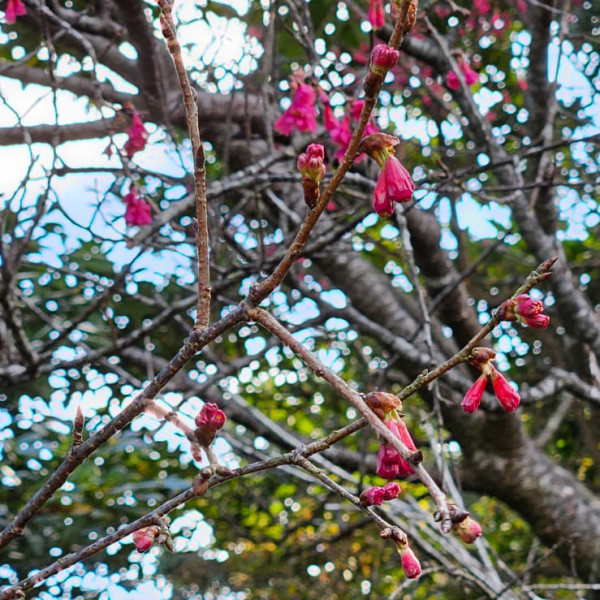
(301, 114)
(376, 14)
(14, 9)
(410, 563)
(138, 211)
(138, 136)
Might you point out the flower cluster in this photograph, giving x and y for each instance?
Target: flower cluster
(507, 395)
(138, 210)
(208, 421)
(14, 9)
(138, 136)
(375, 495)
(389, 462)
(301, 113)
(526, 310)
(394, 183)
(471, 77)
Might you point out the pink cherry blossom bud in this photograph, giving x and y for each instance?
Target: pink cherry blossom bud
(410, 563)
(311, 163)
(472, 398)
(471, 76)
(143, 538)
(383, 58)
(467, 530)
(208, 421)
(507, 395)
(372, 496)
(376, 14)
(399, 184)
(388, 462)
(391, 490)
(526, 310)
(14, 9)
(382, 204)
(382, 403)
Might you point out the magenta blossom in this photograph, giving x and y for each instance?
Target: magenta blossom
(526, 310)
(471, 77)
(138, 211)
(389, 462)
(144, 538)
(410, 563)
(505, 393)
(394, 184)
(301, 113)
(14, 9)
(137, 136)
(468, 530)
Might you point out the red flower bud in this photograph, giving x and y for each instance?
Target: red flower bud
(208, 421)
(372, 496)
(472, 398)
(526, 310)
(391, 490)
(143, 538)
(467, 530)
(376, 14)
(389, 462)
(383, 58)
(410, 563)
(507, 395)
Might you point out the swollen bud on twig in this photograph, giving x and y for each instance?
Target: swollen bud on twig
(411, 17)
(311, 165)
(382, 403)
(410, 563)
(144, 538)
(208, 421)
(526, 310)
(468, 530)
(374, 496)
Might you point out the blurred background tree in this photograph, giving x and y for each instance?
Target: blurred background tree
(497, 108)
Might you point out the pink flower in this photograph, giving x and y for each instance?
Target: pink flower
(143, 538)
(138, 136)
(301, 114)
(471, 77)
(14, 9)
(376, 14)
(394, 184)
(507, 395)
(208, 421)
(472, 398)
(410, 563)
(138, 211)
(467, 530)
(526, 310)
(389, 462)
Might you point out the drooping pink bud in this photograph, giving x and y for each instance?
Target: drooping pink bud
(383, 58)
(143, 538)
(472, 398)
(376, 14)
(372, 496)
(398, 182)
(208, 421)
(14, 9)
(391, 490)
(467, 530)
(410, 563)
(507, 395)
(389, 462)
(137, 136)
